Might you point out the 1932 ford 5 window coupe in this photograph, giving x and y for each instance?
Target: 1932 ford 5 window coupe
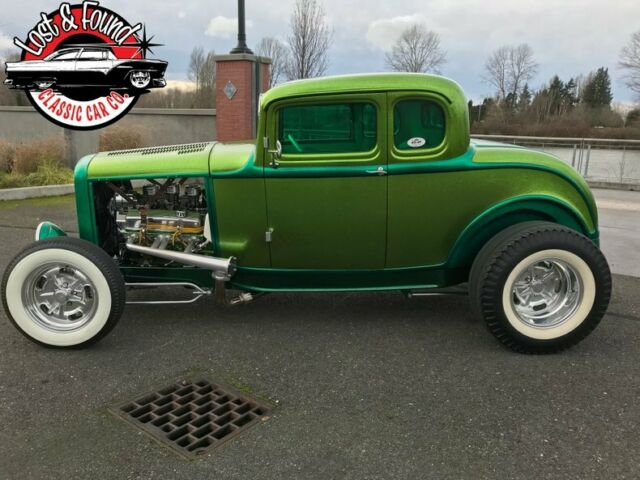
(355, 183)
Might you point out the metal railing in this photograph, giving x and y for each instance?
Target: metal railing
(617, 160)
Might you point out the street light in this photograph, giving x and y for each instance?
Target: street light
(241, 47)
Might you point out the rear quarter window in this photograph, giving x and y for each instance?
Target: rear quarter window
(418, 124)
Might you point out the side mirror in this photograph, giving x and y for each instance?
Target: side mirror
(275, 154)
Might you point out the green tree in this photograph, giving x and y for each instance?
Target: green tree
(525, 98)
(571, 93)
(556, 95)
(597, 90)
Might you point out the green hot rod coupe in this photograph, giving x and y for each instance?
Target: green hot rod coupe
(355, 183)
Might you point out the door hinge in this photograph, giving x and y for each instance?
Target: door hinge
(268, 235)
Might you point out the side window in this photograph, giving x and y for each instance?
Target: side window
(328, 128)
(91, 55)
(418, 124)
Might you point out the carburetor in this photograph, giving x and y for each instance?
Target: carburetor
(172, 215)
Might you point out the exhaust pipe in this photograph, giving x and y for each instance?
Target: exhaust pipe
(226, 266)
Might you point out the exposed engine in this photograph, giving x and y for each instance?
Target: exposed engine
(169, 215)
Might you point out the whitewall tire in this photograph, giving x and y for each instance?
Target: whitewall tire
(63, 292)
(540, 287)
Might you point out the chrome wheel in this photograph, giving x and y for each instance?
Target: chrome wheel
(546, 293)
(140, 79)
(59, 297)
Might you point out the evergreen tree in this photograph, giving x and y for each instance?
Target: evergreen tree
(525, 98)
(597, 90)
(556, 95)
(510, 102)
(571, 93)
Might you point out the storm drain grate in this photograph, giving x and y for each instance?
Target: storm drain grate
(193, 416)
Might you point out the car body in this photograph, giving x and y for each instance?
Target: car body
(356, 183)
(84, 67)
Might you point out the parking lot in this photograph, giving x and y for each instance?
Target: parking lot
(369, 385)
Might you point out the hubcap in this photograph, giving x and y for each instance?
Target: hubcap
(140, 79)
(59, 297)
(546, 293)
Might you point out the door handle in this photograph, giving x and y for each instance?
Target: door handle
(378, 171)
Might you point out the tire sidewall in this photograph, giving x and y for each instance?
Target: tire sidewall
(22, 319)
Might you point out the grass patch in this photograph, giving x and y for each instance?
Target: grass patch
(62, 200)
(47, 172)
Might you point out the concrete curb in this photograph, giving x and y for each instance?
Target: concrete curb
(633, 187)
(35, 192)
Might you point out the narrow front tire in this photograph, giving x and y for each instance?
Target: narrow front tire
(63, 292)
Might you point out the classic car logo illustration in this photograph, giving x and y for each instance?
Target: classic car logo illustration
(84, 66)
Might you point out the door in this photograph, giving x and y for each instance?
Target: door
(327, 194)
(61, 66)
(93, 65)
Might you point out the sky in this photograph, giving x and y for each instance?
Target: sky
(568, 38)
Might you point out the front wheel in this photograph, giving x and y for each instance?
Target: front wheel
(63, 292)
(540, 287)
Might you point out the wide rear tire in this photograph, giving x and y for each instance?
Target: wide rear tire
(540, 287)
(63, 292)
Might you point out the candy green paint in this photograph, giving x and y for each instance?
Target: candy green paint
(151, 163)
(241, 217)
(329, 221)
(49, 230)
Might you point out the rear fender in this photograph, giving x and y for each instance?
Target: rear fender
(525, 209)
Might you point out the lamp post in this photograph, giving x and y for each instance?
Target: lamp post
(241, 47)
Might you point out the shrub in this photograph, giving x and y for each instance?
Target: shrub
(29, 156)
(7, 153)
(121, 138)
(50, 173)
(12, 181)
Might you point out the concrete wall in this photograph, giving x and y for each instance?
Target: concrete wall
(159, 126)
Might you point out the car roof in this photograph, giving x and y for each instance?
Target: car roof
(359, 83)
(70, 49)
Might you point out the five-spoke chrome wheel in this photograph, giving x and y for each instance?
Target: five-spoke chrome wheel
(540, 287)
(60, 297)
(63, 292)
(546, 293)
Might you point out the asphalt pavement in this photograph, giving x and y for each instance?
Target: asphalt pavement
(368, 385)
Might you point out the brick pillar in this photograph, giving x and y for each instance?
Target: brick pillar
(240, 78)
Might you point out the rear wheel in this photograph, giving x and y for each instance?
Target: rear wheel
(63, 292)
(540, 287)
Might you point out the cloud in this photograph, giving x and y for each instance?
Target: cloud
(224, 27)
(384, 32)
(5, 43)
(181, 14)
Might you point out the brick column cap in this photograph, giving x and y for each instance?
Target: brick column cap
(236, 57)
